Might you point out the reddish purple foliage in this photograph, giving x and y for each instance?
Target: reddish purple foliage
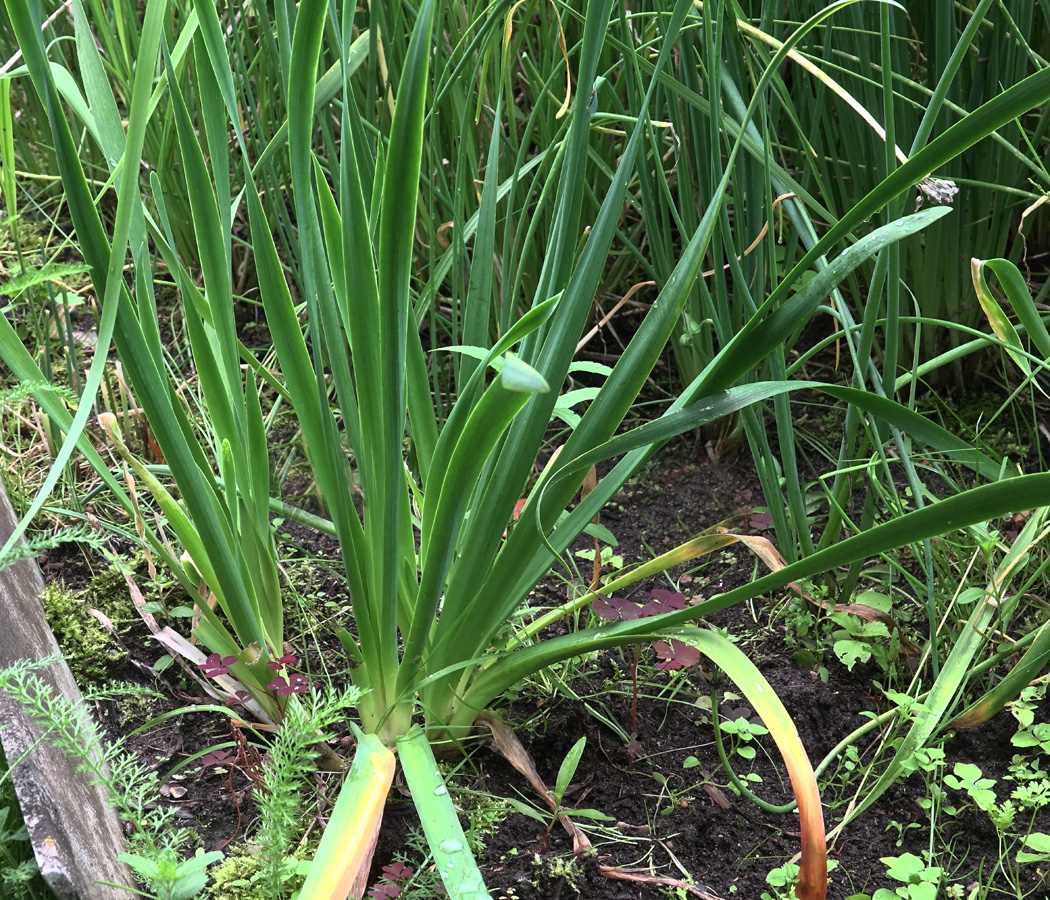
(660, 601)
(277, 664)
(663, 601)
(214, 665)
(676, 655)
(760, 522)
(218, 758)
(616, 608)
(295, 684)
(395, 871)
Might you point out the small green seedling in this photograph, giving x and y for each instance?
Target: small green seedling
(920, 881)
(1031, 795)
(968, 777)
(565, 774)
(744, 730)
(670, 798)
(566, 771)
(608, 559)
(171, 879)
(856, 640)
(1030, 734)
(1038, 851)
(784, 878)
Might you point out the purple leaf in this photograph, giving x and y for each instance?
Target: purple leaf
(677, 655)
(630, 611)
(295, 684)
(667, 600)
(277, 664)
(215, 665)
(652, 608)
(217, 758)
(395, 871)
(298, 683)
(760, 522)
(661, 601)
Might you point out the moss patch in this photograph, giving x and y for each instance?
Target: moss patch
(88, 646)
(238, 877)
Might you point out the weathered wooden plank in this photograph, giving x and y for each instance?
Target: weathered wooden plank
(76, 836)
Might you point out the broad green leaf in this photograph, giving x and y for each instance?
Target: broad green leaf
(521, 377)
(437, 814)
(346, 844)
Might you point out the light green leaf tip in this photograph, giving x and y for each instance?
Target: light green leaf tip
(521, 377)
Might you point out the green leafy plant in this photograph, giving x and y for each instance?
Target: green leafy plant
(288, 764)
(433, 580)
(858, 641)
(566, 771)
(171, 878)
(930, 761)
(671, 798)
(919, 881)
(607, 558)
(784, 878)
(154, 838)
(968, 777)
(1013, 818)
(744, 731)
(1030, 734)
(968, 55)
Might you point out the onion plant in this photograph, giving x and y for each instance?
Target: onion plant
(827, 132)
(870, 89)
(438, 561)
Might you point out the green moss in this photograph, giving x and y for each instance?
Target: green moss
(558, 867)
(108, 591)
(231, 879)
(136, 710)
(88, 646)
(238, 876)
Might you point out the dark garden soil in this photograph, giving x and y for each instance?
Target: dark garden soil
(672, 811)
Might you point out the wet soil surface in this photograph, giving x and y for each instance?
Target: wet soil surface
(671, 811)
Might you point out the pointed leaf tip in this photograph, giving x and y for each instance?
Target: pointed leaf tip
(520, 376)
